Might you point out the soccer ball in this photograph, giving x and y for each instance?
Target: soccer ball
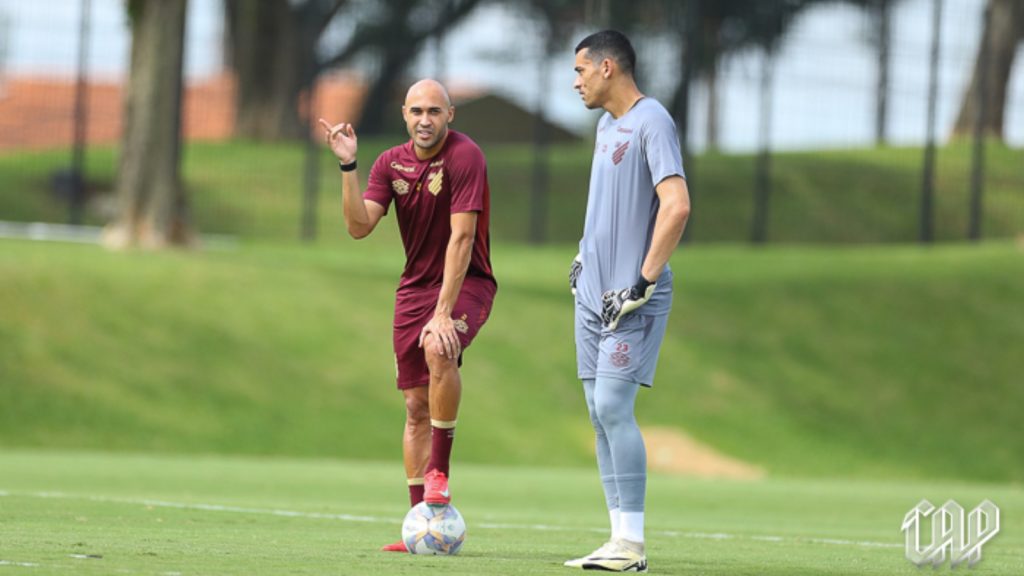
(433, 530)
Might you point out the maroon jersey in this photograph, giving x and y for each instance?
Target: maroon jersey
(426, 193)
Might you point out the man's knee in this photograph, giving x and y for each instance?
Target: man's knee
(417, 407)
(437, 364)
(588, 395)
(608, 414)
(612, 410)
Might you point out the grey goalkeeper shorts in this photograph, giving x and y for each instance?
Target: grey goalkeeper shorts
(629, 353)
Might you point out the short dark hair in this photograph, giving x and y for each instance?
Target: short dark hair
(610, 44)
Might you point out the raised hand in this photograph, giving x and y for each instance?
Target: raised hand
(342, 140)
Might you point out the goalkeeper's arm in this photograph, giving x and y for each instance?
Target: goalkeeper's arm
(673, 211)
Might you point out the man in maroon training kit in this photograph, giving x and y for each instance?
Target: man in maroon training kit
(438, 182)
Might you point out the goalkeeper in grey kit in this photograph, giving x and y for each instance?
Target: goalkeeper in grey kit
(637, 208)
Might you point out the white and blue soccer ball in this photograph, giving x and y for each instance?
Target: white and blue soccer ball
(433, 530)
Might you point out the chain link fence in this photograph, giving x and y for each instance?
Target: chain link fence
(794, 154)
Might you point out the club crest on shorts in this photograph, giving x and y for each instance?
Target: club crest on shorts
(460, 325)
(401, 187)
(620, 358)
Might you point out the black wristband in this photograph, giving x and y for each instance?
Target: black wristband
(642, 284)
(347, 167)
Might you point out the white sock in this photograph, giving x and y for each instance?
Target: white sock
(631, 526)
(613, 515)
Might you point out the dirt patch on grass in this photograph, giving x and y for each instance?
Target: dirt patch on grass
(672, 451)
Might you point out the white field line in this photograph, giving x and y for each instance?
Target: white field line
(52, 232)
(484, 525)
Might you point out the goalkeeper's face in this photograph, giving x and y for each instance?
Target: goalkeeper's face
(427, 112)
(591, 79)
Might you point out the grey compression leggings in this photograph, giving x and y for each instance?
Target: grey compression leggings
(621, 456)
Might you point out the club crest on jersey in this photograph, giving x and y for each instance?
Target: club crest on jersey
(620, 152)
(401, 187)
(460, 324)
(435, 181)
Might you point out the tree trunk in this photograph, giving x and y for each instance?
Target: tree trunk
(152, 205)
(1004, 31)
(403, 42)
(382, 96)
(273, 54)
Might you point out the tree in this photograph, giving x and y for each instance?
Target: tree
(723, 28)
(272, 48)
(152, 207)
(1004, 30)
(396, 35)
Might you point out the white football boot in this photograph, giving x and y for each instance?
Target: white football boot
(620, 556)
(579, 562)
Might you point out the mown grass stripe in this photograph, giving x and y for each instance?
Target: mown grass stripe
(386, 520)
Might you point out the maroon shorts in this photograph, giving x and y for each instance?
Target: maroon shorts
(415, 307)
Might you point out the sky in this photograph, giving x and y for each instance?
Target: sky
(824, 75)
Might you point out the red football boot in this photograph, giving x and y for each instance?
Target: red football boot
(396, 547)
(435, 491)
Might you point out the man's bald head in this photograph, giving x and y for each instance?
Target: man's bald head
(428, 88)
(427, 112)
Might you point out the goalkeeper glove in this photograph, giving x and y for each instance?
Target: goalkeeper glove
(618, 303)
(574, 273)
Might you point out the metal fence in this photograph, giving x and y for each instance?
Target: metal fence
(818, 91)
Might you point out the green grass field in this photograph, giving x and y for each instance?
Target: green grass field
(86, 513)
(861, 379)
(193, 412)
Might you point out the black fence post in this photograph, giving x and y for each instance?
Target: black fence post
(883, 16)
(927, 233)
(311, 173)
(978, 156)
(540, 179)
(763, 176)
(691, 58)
(76, 186)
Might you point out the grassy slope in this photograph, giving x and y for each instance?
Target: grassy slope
(160, 515)
(847, 196)
(874, 362)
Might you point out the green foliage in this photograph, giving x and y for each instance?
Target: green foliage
(895, 362)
